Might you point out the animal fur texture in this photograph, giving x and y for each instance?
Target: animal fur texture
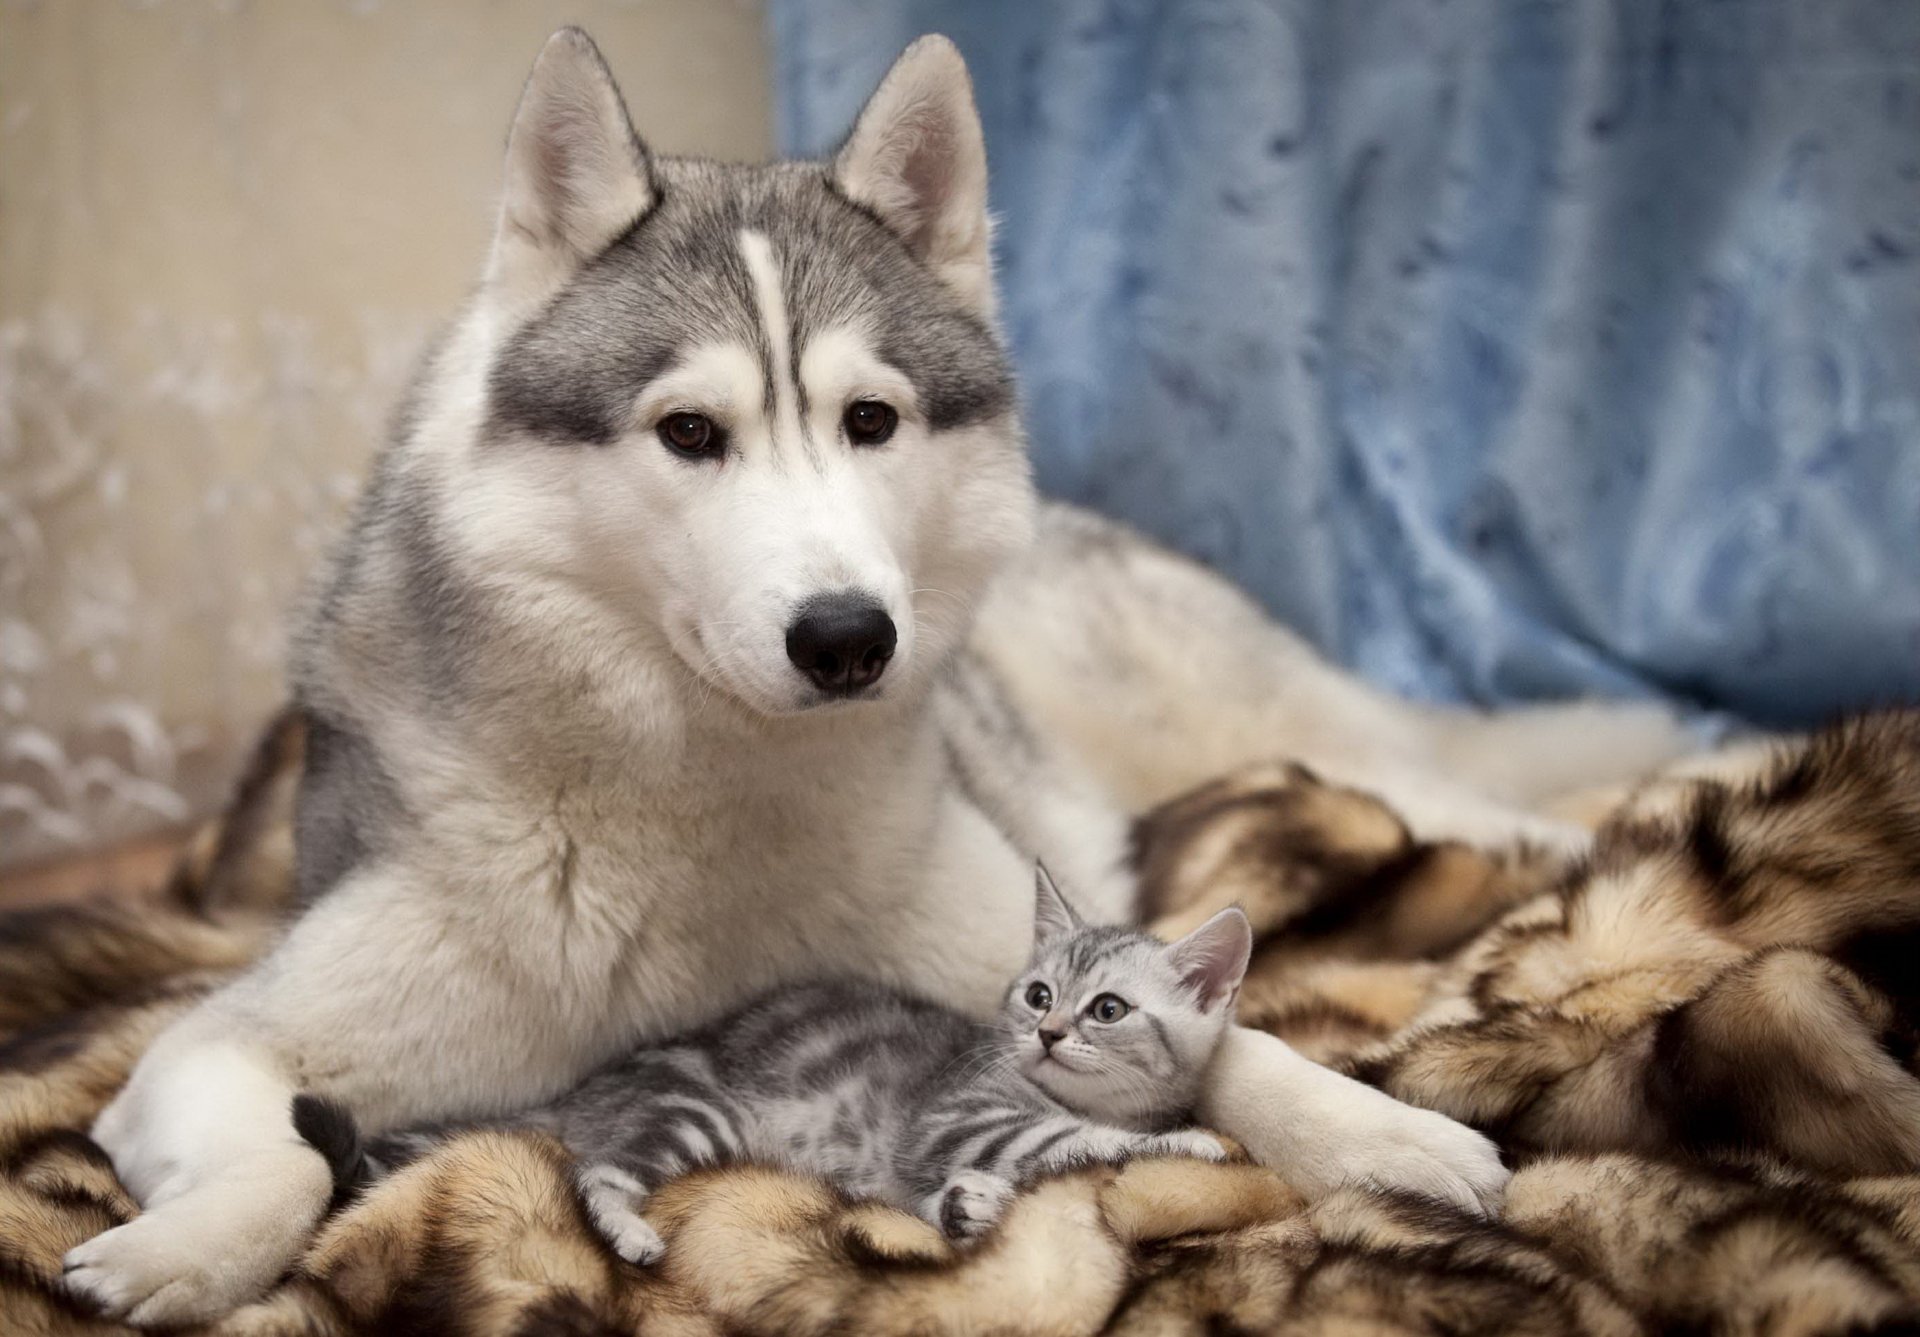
(1697, 1045)
(1096, 1057)
(699, 631)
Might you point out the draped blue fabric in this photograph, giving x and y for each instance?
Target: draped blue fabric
(1509, 349)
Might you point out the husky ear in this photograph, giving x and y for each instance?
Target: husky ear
(1052, 916)
(576, 174)
(1212, 959)
(916, 159)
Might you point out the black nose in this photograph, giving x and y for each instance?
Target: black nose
(1048, 1039)
(842, 642)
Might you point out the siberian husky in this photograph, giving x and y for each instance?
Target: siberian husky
(700, 631)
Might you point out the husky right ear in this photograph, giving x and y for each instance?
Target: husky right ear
(576, 174)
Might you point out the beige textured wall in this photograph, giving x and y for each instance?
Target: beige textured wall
(225, 229)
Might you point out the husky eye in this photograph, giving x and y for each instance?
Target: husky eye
(1039, 996)
(692, 434)
(869, 422)
(1109, 1008)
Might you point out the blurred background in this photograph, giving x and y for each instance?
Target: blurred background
(1510, 349)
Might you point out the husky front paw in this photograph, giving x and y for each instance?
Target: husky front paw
(1321, 1129)
(152, 1273)
(1405, 1148)
(971, 1202)
(212, 1249)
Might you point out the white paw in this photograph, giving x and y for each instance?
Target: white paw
(613, 1199)
(632, 1237)
(1414, 1150)
(150, 1274)
(1193, 1142)
(971, 1202)
(1321, 1129)
(209, 1250)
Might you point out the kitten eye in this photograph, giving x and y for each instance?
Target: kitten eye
(693, 435)
(1109, 1007)
(868, 422)
(1039, 996)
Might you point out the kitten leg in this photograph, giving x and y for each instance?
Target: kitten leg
(973, 1199)
(1094, 1144)
(668, 1137)
(968, 1204)
(1183, 1142)
(614, 1199)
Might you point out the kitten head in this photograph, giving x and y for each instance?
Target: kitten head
(1116, 1024)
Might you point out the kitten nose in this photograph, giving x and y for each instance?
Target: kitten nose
(1050, 1038)
(842, 641)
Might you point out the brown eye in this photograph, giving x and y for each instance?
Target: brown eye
(869, 422)
(1039, 996)
(690, 434)
(1109, 1008)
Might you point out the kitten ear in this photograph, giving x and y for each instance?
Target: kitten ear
(917, 159)
(576, 175)
(1212, 960)
(1052, 916)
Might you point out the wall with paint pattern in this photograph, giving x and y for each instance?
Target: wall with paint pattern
(226, 230)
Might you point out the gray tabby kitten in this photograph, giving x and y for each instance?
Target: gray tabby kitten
(1096, 1056)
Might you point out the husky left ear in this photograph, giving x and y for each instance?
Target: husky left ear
(916, 158)
(576, 175)
(1212, 959)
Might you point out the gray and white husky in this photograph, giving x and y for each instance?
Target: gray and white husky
(699, 632)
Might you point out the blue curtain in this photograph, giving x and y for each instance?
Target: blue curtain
(1509, 349)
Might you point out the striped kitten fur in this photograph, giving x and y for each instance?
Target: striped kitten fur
(1096, 1056)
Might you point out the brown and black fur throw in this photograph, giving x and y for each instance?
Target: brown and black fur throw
(1700, 1047)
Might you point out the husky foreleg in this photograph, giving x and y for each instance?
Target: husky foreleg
(375, 999)
(204, 1137)
(1320, 1130)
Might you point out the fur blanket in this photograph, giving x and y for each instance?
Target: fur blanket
(1699, 1048)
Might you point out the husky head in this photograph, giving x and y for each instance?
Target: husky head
(758, 414)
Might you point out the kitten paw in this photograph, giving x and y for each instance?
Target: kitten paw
(634, 1239)
(613, 1198)
(971, 1202)
(1193, 1142)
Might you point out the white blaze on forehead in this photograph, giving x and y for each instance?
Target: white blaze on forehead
(772, 303)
